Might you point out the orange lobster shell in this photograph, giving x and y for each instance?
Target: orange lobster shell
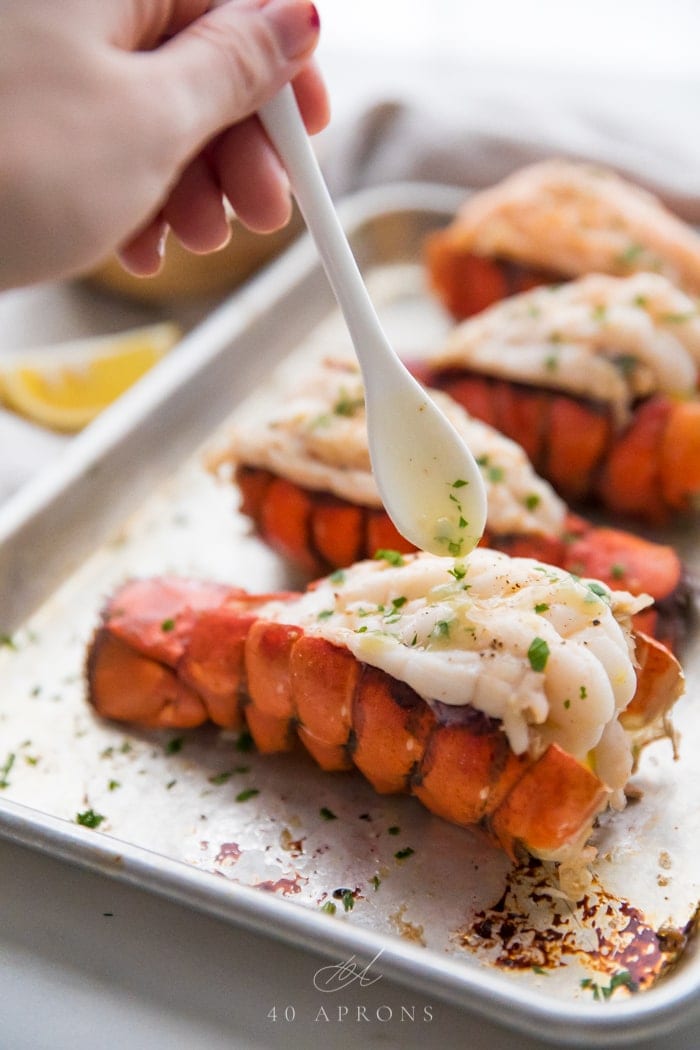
(650, 470)
(318, 532)
(175, 653)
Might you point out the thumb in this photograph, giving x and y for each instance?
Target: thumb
(226, 64)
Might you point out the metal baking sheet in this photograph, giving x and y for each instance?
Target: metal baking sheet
(272, 842)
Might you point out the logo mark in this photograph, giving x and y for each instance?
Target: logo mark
(337, 976)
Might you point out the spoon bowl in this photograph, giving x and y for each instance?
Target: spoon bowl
(428, 480)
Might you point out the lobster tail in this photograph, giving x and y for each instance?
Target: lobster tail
(230, 663)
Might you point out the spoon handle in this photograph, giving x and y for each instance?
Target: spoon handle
(283, 123)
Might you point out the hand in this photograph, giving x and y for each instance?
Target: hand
(124, 118)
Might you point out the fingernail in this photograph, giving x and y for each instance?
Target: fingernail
(296, 25)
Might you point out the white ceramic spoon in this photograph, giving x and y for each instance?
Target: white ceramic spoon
(428, 479)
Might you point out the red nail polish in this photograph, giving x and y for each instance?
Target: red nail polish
(296, 25)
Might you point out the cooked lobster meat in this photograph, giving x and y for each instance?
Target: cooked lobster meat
(303, 470)
(551, 222)
(499, 691)
(597, 379)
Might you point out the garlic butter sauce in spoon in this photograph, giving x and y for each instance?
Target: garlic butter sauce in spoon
(429, 481)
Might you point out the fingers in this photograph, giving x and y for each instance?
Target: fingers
(221, 68)
(142, 255)
(248, 169)
(195, 209)
(252, 177)
(312, 97)
(214, 74)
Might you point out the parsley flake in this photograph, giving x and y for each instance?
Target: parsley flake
(393, 557)
(89, 818)
(538, 654)
(221, 778)
(245, 742)
(5, 770)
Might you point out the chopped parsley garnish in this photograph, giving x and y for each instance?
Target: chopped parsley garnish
(404, 853)
(167, 625)
(393, 557)
(538, 654)
(348, 899)
(623, 979)
(347, 405)
(532, 500)
(583, 692)
(442, 628)
(245, 742)
(630, 254)
(496, 474)
(599, 590)
(174, 745)
(567, 704)
(5, 770)
(325, 614)
(8, 640)
(617, 571)
(89, 818)
(112, 785)
(327, 813)
(459, 572)
(222, 777)
(459, 483)
(338, 576)
(626, 364)
(541, 607)
(394, 830)
(376, 882)
(247, 793)
(678, 318)
(329, 908)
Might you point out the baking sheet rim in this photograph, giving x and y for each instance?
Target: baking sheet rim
(487, 993)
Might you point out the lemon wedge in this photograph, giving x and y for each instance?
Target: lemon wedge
(65, 386)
